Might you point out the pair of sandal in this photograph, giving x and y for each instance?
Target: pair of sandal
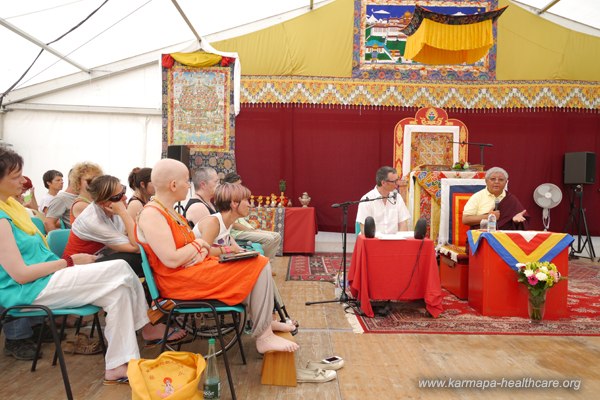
(319, 371)
(82, 344)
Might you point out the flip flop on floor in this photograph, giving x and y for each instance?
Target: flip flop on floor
(120, 381)
(150, 343)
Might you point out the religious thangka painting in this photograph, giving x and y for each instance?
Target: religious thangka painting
(379, 43)
(197, 112)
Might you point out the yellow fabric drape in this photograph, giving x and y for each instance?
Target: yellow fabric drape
(318, 43)
(20, 218)
(197, 59)
(435, 43)
(532, 48)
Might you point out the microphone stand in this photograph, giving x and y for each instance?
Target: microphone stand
(481, 146)
(344, 298)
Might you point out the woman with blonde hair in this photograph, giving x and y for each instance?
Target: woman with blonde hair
(80, 177)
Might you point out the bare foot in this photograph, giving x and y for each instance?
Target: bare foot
(154, 332)
(116, 373)
(271, 342)
(277, 326)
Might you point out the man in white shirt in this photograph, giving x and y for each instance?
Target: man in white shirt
(389, 212)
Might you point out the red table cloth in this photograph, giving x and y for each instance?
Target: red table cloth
(300, 229)
(383, 270)
(493, 286)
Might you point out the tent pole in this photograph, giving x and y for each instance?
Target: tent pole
(187, 21)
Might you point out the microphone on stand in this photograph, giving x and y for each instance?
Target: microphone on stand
(496, 203)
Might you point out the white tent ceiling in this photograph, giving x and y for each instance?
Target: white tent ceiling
(123, 29)
(118, 30)
(579, 15)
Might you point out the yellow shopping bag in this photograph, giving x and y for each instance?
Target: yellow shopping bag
(173, 375)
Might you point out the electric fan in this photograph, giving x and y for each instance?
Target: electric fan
(547, 196)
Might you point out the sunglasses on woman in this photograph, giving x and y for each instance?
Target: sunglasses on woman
(117, 197)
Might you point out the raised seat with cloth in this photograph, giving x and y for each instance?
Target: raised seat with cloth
(452, 238)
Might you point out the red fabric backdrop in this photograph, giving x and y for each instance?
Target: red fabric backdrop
(332, 153)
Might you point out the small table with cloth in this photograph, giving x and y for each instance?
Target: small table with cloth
(383, 270)
(493, 286)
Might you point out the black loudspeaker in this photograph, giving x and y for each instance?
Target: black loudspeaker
(580, 167)
(369, 228)
(179, 152)
(420, 228)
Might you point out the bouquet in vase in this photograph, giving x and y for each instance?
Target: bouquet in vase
(538, 277)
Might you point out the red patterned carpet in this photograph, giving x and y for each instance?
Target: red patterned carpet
(458, 318)
(318, 267)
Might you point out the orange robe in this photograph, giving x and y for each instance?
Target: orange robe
(229, 282)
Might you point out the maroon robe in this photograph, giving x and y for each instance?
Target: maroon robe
(509, 207)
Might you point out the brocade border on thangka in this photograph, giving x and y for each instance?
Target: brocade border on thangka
(208, 116)
(388, 45)
(457, 95)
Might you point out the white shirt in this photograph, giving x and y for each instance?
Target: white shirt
(45, 202)
(387, 216)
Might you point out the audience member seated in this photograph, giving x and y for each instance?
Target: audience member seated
(200, 205)
(29, 199)
(82, 176)
(30, 273)
(59, 210)
(140, 183)
(105, 228)
(181, 265)
(242, 230)
(29, 203)
(53, 181)
(389, 211)
(510, 213)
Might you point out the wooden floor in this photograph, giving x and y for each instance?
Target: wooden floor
(377, 366)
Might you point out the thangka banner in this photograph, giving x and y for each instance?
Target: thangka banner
(379, 43)
(197, 112)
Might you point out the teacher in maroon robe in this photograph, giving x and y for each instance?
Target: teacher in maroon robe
(510, 213)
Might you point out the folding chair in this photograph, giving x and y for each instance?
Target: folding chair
(57, 240)
(23, 311)
(201, 306)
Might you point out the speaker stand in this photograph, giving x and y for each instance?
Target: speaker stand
(578, 221)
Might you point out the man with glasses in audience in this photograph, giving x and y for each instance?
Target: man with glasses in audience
(388, 210)
(510, 213)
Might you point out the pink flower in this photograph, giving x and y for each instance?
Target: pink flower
(532, 280)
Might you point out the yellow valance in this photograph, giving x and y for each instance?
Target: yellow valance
(197, 59)
(444, 39)
(435, 43)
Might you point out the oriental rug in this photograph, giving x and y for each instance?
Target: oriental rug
(583, 303)
(318, 267)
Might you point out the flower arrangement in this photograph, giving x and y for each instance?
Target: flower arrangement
(538, 277)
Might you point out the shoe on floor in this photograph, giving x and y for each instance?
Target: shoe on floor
(321, 365)
(21, 349)
(47, 335)
(315, 375)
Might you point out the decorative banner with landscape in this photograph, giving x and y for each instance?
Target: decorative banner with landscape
(379, 43)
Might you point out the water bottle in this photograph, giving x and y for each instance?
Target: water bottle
(491, 225)
(212, 381)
